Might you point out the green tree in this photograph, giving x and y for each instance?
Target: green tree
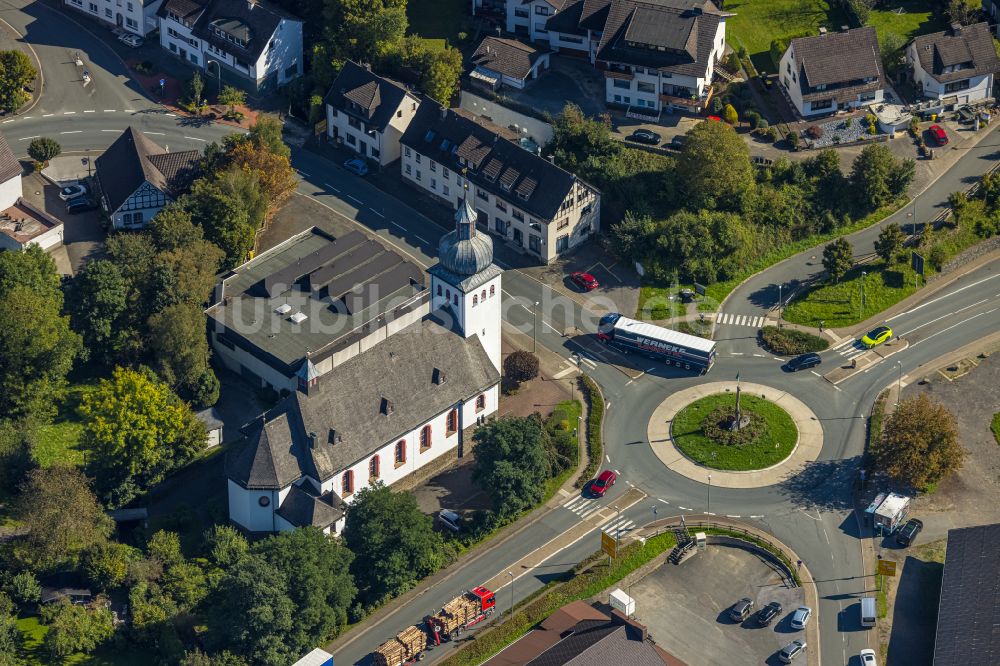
(838, 258)
(714, 168)
(965, 12)
(253, 614)
(232, 97)
(227, 210)
(11, 639)
(579, 137)
(75, 628)
(706, 246)
(99, 310)
(61, 518)
(511, 463)
(890, 241)
(37, 346)
(363, 29)
(891, 46)
(24, 588)
(177, 337)
(318, 580)
(16, 442)
(198, 658)
(43, 149)
(16, 74)
(630, 238)
(861, 9)
(520, 366)
(107, 563)
(137, 431)
(266, 133)
(226, 545)
(195, 89)
(730, 115)
(878, 177)
(389, 528)
(919, 444)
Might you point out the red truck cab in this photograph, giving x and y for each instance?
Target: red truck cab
(486, 598)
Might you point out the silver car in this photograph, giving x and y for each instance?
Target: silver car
(800, 618)
(789, 653)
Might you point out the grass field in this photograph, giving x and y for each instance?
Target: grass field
(771, 447)
(995, 427)
(914, 19)
(59, 442)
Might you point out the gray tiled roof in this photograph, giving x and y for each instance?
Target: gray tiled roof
(600, 642)
(134, 158)
(506, 56)
(970, 46)
(838, 58)
(345, 410)
(377, 96)
(303, 509)
(254, 20)
(968, 618)
(9, 166)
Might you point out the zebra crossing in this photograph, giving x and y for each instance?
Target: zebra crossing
(849, 348)
(753, 321)
(618, 526)
(584, 507)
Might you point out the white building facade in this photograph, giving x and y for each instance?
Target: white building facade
(135, 16)
(958, 63)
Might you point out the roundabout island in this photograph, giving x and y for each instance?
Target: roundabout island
(697, 432)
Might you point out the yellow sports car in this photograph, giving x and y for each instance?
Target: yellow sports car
(876, 337)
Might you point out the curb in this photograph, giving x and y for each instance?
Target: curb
(38, 67)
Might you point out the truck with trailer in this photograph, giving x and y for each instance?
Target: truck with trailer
(456, 616)
(671, 347)
(888, 511)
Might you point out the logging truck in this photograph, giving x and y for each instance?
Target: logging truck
(456, 616)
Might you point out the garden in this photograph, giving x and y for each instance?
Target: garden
(701, 431)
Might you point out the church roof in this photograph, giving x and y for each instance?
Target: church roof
(303, 509)
(465, 251)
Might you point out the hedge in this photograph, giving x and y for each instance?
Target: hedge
(589, 578)
(789, 341)
(595, 428)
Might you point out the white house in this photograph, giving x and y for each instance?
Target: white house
(136, 178)
(380, 414)
(959, 62)
(21, 224)
(508, 62)
(526, 18)
(521, 198)
(10, 175)
(136, 16)
(256, 40)
(655, 55)
(368, 113)
(833, 71)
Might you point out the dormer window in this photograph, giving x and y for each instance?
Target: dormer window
(234, 31)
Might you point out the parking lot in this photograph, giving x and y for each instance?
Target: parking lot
(686, 608)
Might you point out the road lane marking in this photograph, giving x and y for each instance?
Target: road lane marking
(332, 187)
(129, 111)
(736, 354)
(354, 198)
(115, 131)
(154, 133)
(950, 327)
(761, 516)
(660, 499)
(303, 173)
(91, 111)
(194, 138)
(72, 132)
(8, 121)
(47, 115)
(922, 305)
(422, 240)
(815, 373)
(28, 138)
(608, 458)
(397, 225)
(109, 110)
(731, 516)
(69, 113)
(554, 329)
(684, 508)
(172, 115)
(378, 213)
(709, 513)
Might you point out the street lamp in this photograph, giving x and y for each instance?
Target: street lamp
(779, 306)
(899, 383)
(218, 68)
(511, 574)
(709, 510)
(861, 311)
(534, 327)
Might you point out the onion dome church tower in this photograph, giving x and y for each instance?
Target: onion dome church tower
(465, 282)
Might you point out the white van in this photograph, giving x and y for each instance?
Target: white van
(868, 612)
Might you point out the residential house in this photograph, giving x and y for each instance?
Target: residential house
(656, 54)
(527, 18)
(21, 224)
(833, 71)
(956, 63)
(508, 62)
(253, 39)
(136, 16)
(136, 178)
(368, 113)
(394, 388)
(520, 197)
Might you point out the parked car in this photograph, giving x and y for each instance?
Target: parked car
(789, 653)
(600, 485)
(357, 166)
(908, 532)
(73, 191)
(585, 281)
(741, 609)
(450, 520)
(130, 40)
(876, 336)
(646, 136)
(79, 205)
(767, 614)
(867, 657)
(800, 618)
(803, 362)
(938, 134)
(678, 141)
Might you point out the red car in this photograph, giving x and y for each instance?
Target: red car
(601, 484)
(585, 281)
(939, 135)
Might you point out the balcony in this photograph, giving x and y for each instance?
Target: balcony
(685, 100)
(622, 76)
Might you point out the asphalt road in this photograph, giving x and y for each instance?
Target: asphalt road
(811, 512)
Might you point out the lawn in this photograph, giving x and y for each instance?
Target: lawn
(565, 416)
(838, 304)
(995, 427)
(34, 632)
(772, 446)
(438, 19)
(914, 19)
(60, 440)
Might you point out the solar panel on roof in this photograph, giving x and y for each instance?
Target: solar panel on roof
(282, 279)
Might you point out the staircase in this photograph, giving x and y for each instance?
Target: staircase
(684, 549)
(725, 75)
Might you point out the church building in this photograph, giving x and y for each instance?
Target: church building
(388, 377)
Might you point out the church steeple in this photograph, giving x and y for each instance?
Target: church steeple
(465, 251)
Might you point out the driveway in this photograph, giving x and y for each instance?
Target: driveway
(568, 80)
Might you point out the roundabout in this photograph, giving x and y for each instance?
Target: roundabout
(782, 436)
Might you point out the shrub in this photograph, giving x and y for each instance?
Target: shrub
(814, 132)
(790, 342)
(520, 366)
(43, 149)
(753, 118)
(793, 140)
(144, 67)
(771, 133)
(595, 425)
(729, 114)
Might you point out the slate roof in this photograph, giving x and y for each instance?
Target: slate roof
(9, 166)
(302, 508)
(970, 46)
(507, 56)
(493, 163)
(254, 20)
(968, 625)
(344, 409)
(841, 61)
(377, 98)
(133, 158)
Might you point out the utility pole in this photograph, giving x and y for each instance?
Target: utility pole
(779, 307)
(534, 328)
(709, 494)
(511, 574)
(861, 310)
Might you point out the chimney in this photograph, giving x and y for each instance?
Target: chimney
(439, 376)
(387, 407)
(822, 31)
(334, 437)
(956, 29)
(444, 113)
(312, 440)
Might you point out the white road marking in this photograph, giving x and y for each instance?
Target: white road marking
(69, 113)
(922, 305)
(934, 335)
(827, 535)
(91, 111)
(736, 354)
(354, 198)
(303, 173)
(563, 373)
(154, 133)
(759, 355)
(645, 371)
(27, 118)
(709, 513)
(607, 457)
(761, 516)
(194, 138)
(659, 499)
(587, 361)
(47, 115)
(422, 240)
(684, 508)
(72, 132)
(8, 121)
(129, 111)
(115, 131)
(730, 516)
(397, 225)
(109, 110)
(172, 115)
(331, 187)
(815, 373)
(28, 138)
(554, 329)
(378, 213)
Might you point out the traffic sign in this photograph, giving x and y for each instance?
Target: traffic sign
(917, 263)
(609, 545)
(887, 568)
